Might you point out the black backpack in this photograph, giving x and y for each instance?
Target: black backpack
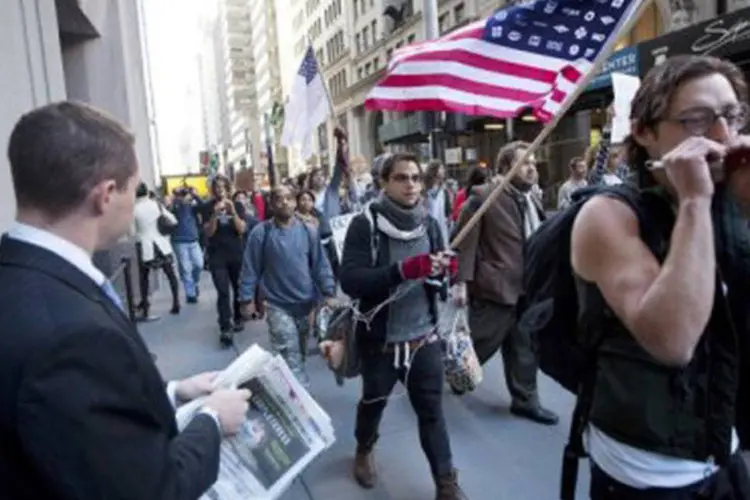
(549, 313)
(549, 310)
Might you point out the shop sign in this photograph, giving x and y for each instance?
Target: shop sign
(622, 61)
(720, 37)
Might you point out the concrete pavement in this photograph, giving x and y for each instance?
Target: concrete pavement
(499, 456)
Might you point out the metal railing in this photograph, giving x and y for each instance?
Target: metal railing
(124, 269)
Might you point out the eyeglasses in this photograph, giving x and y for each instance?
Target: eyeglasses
(698, 121)
(403, 178)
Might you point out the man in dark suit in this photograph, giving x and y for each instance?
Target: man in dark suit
(84, 413)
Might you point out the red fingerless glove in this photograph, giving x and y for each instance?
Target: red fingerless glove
(417, 267)
(453, 268)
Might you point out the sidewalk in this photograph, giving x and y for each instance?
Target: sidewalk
(499, 457)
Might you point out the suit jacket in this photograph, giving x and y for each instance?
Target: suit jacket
(83, 410)
(146, 215)
(491, 256)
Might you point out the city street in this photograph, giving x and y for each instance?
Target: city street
(499, 456)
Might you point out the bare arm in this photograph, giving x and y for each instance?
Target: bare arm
(666, 307)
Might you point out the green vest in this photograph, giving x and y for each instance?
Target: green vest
(685, 412)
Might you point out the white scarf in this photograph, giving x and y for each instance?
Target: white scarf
(531, 220)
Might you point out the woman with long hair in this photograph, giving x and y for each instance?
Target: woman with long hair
(308, 213)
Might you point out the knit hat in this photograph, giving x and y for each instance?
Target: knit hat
(377, 165)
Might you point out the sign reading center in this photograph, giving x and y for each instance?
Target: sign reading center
(622, 61)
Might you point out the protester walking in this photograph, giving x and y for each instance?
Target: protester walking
(286, 257)
(225, 225)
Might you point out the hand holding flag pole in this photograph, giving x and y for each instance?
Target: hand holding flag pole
(599, 62)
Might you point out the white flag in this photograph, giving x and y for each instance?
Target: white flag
(308, 106)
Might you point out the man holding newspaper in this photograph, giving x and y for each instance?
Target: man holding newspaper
(84, 413)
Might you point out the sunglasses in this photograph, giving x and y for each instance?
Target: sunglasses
(403, 178)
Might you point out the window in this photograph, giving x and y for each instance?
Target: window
(389, 54)
(374, 32)
(357, 43)
(364, 6)
(411, 38)
(356, 10)
(368, 68)
(458, 13)
(443, 23)
(359, 73)
(366, 37)
(376, 63)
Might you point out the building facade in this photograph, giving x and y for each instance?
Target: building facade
(86, 50)
(268, 85)
(324, 24)
(241, 100)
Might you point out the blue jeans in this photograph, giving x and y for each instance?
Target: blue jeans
(190, 263)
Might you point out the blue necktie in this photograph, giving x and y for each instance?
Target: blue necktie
(110, 292)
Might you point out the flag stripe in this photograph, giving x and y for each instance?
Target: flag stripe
(441, 104)
(469, 84)
(494, 68)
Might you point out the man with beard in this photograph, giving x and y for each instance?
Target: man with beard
(285, 255)
(490, 278)
(668, 290)
(395, 248)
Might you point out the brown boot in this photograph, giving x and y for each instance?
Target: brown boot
(364, 469)
(448, 488)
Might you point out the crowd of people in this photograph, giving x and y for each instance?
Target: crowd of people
(658, 259)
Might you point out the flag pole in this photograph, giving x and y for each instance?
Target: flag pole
(601, 58)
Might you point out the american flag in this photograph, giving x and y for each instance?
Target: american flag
(529, 55)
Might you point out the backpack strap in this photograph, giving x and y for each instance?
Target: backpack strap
(311, 237)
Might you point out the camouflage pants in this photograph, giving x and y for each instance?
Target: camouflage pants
(289, 336)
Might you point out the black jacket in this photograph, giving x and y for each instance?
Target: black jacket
(372, 283)
(83, 410)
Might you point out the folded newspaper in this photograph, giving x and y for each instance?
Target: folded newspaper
(285, 430)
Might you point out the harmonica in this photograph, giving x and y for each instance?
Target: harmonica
(737, 158)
